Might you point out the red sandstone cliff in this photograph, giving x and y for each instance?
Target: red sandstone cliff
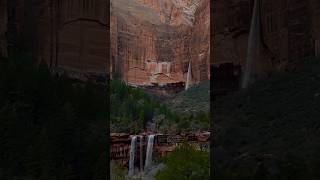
(152, 41)
(200, 42)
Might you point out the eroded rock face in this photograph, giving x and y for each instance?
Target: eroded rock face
(80, 32)
(200, 43)
(67, 35)
(153, 40)
(289, 31)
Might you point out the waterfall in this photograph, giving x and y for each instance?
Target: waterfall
(188, 76)
(141, 153)
(149, 151)
(253, 43)
(132, 154)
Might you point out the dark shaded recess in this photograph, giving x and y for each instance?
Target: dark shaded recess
(225, 78)
(12, 29)
(24, 40)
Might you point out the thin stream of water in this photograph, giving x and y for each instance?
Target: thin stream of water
(132, 155)
(253, 44)
(149, 151)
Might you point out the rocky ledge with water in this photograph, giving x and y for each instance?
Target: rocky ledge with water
(139, 152)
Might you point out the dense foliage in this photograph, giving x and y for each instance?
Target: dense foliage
(271, 131)
(186, 163)
(133, 110)
(50, 126)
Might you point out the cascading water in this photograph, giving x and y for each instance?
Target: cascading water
(132, 155)
(141, 153)
(188, 77)
(253, 43)
(149, 151)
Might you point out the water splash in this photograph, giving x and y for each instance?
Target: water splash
(149, 151)
(132, 155)
(253, 44)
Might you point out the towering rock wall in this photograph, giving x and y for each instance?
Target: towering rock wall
(200, 42)
(287, 27)
(275, 31)
(152, 40)
(81, 31)
(231, 29)
(289, 32)
(299, 29)
(67, 35)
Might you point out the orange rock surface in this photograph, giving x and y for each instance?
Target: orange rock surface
(154, 40)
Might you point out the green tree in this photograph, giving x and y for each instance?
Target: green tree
(185, 163)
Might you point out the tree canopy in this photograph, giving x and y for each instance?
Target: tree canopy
(186, 163)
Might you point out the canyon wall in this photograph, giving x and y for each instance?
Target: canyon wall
(67, 35)
(200, 42)
(289, 32)
(82, 30)
(153, 41)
